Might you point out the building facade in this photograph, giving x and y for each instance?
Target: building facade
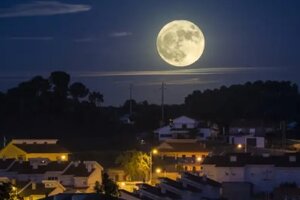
(265, 172)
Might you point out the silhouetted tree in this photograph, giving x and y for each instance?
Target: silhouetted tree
(96, 98)
(60, 81)
(78, 90)
(97, 187)
(109, 187)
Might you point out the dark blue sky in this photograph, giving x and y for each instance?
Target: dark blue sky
(109, 44)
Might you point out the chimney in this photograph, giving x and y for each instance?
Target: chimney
(33, 186)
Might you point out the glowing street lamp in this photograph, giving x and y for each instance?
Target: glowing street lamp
(63, 157)
(158, 170)
(239, 146)
(152, 152)
(199, 159)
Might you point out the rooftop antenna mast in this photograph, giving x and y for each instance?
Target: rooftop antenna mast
(130, 99)
(162, 102)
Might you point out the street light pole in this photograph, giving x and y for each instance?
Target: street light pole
(151, 166)
(153, 151)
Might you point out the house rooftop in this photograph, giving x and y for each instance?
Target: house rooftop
(42, 148)
(157, 191)
(242, 159)
(184, 147)
(5, 163)
(179, 185)
(38, 190)
(79, 170)
(201, 179)
(86, 196)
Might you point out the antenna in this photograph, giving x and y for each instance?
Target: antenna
(283, 131)
(162, 102)
(130, 99)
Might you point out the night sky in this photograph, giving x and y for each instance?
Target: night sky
(111, 44)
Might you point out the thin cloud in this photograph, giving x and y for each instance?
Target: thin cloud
(87, 39)
(190, 81)
(43, 8)
(120, 34)
(200, 71)
(31, 38)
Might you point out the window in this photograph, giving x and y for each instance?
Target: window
(116, 177)
(183, 156)
(194, 168)
(184, 126)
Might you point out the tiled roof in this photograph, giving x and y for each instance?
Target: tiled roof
(79, 171)
(24, 167)
(175, 184)
(56, 166)
(42, 148)
(243, 159)
(179, 185)
(90, 196)
(5, 163)
(39, 190)
(201, 179)
(157, 191)
(185, 147)
(21, 184)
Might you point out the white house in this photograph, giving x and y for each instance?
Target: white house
(186, 128)
(183, 122)
(265, 172)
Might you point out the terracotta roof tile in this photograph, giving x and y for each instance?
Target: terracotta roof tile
(42, 148)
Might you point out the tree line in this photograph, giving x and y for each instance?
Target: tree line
(56, 107)
(269, 100)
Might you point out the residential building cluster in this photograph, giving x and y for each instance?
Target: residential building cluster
(38, 168)
(188, 187)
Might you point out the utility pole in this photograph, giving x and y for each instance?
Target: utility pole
(130, 99)
(162, 102)
(283, 131)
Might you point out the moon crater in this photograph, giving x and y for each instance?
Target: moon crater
(180, 43)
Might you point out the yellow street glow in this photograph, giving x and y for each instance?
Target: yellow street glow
(63, 157)
(158, 170)
(180, 43)
(154, 151)
(199, 159)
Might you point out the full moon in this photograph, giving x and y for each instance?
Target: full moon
(180, 43)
